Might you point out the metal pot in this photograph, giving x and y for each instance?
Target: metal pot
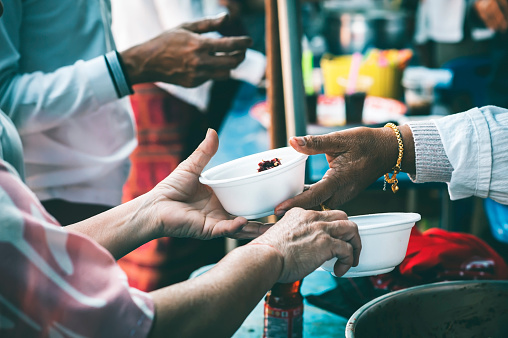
(448, 309)
(347, 32)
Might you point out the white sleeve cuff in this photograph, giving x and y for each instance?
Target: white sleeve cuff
(100, 82)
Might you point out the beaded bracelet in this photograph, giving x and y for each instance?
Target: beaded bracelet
(393, 180)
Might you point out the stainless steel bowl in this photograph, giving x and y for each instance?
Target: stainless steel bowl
(448, 309)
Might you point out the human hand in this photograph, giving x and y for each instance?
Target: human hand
(306, 239)
(493, 13)
(184, 57)
(357, 157)
(183, 207)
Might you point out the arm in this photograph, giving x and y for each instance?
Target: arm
(295, 246)
(466, 150)
(476, 143)
(179, 206)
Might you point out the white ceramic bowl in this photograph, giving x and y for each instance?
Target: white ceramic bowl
(243, 191)
(384, 238)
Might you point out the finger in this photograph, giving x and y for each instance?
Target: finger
(223, 62)
(497, 17)
(228, 44)
(207, 25)
(316, 144)
(204, 152)
(228, 227)
(347, 231)
(332, 215)
(344, 253)
(318, 193)
(503, 4)
(252, 230)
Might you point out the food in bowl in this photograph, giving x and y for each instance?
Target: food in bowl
(265, 165)
(384, 237)
(241, 189)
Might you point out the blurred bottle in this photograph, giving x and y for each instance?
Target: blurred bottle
(284, 311)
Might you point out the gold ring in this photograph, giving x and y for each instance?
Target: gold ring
(324, 207)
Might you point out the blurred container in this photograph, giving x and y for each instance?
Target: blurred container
(384, 67)
(419, 84)
(349, 31)
(354, 102)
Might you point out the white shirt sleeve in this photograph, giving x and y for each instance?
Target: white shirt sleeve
(476, 143)
(38, 101)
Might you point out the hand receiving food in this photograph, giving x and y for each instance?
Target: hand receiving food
(306, 239)
(183, 207)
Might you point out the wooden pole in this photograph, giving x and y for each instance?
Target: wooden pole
(275, 88)
(291, 55)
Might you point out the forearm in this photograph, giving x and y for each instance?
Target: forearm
(121, 229)
(39, 101)
(216, 303)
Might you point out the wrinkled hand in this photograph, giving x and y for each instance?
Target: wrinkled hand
(306, 239)
(183, 57)
(494, 13)
(357, 157)
(183, 207)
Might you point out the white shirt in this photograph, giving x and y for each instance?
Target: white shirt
(475, 143)
(443, 21)
(55, 86)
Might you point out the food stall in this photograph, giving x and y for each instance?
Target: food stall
(284, 113)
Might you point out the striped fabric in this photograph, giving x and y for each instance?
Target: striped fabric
(168, 130)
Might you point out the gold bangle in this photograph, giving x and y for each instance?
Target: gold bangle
(396, 169)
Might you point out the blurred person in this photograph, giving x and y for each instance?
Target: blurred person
(65, 87)
(170, 122)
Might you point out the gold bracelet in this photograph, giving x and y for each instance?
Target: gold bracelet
(393, 180)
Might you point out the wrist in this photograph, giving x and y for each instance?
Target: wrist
(133, 65)
(275, 255)
(388, 149)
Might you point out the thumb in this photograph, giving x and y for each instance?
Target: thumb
(207, 25)
(317, 144)
(203, 154)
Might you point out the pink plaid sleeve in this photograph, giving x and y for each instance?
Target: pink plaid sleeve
(59, 283)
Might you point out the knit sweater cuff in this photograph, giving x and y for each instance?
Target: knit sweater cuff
(432, 163)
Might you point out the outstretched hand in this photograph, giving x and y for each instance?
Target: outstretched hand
(357, 157)
(186, 208)
(184, 57)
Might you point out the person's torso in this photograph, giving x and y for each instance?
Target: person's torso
(57, 33)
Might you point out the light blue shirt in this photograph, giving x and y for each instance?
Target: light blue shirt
(11, 149)
(56, 88)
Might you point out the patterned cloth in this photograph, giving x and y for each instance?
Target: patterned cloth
(168, 130)
(58, 283)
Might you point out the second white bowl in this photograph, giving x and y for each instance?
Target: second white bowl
(384, 238)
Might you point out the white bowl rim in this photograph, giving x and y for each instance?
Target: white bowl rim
(402, 218)
(211, 182)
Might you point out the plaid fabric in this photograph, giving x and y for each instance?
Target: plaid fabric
(168, 130)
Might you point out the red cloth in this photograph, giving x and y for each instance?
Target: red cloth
(168, 129)
(439, 255)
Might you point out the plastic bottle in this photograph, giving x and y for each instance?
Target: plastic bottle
(284, 311)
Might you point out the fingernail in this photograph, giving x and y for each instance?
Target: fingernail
(220, 15)
(208, 132)
(301, 141)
